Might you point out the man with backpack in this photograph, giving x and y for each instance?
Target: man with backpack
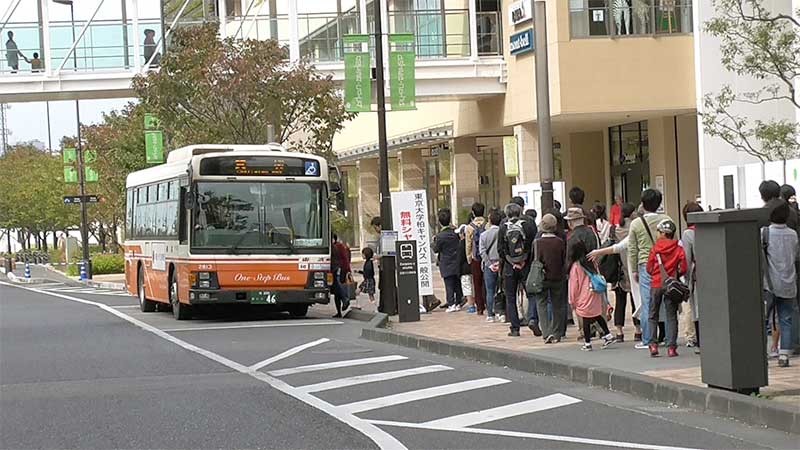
(473, 235)
(516, 238)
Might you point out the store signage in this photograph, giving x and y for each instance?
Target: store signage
(521, 11)
(521, 42)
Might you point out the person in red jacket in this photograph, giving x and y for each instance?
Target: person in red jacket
(673, 259)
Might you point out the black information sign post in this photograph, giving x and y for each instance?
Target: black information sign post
(407, 281)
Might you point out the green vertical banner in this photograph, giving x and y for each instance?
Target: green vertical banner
(91, 175)
(357, 82)
(70, 155)
(154, 146)
(70, 175)
(402, 76)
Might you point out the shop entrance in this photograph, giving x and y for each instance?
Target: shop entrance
(630, 160)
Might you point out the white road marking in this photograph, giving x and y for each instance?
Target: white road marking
(126, 307)
(335, 365)
(504, 412)
(543, 437)
(381, 438)
(288, 323)
(421, 394)
(370, 378)
(287, 353)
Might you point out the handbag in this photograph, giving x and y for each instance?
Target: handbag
(599, 284)
(350, 287)
(675, 290)
(534, 284)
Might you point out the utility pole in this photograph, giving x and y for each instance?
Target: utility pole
(543, 105)
(82, 180)
(388, 299)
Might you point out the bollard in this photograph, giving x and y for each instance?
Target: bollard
(27, 271)
(83, 271)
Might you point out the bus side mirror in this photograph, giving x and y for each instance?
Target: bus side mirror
(189, 199)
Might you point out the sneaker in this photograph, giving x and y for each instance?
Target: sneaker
(490, 319)
(641, 346)
(587, 347)
(620, 338)
(653, 350)
(451, 308)
(691, 344)
(672, 352)
(772, 354)
(783, 361)
(697, 350)
(472, 310)
(436, 304)
(443, 306)
(502, 318)
(456, 308)
(535, 328)
(549, 339)
(609, 340)
(513, 333)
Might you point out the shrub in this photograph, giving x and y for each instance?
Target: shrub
(104, 264)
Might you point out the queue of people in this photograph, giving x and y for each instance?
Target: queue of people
(502, 266)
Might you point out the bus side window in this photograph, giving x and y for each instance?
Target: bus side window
(182, 225)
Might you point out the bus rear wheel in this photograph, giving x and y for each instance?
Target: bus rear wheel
(299, 310)
(180, 311)
(144, 304)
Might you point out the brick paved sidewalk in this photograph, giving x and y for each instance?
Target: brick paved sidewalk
(470, 328)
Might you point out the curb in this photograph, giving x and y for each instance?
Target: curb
(376, 319)
(750, 410)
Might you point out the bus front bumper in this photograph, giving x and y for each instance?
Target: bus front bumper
(258, 297)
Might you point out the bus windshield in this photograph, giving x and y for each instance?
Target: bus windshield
(259, 217)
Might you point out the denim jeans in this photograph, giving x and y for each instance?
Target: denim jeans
(644, 287)
(783, 307)
(490, 282)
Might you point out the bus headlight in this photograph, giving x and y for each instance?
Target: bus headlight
(319, 283)
(319, 275)
(204, 280)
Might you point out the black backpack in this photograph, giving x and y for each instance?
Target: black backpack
(476, 240)
(515, 241)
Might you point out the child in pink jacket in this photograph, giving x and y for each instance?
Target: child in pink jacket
(587, 303)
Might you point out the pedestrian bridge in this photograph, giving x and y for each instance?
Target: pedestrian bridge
(459, 52)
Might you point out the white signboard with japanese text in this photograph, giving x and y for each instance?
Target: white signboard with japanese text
(410, 220)
(531, 193)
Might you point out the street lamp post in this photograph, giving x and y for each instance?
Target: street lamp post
(82, 180)
(72, 22)
(543, 105)
(388, 299)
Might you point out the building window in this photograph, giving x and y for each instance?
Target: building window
(589, 18)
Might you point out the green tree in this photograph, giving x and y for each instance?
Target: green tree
(229, 91)
(762, 43)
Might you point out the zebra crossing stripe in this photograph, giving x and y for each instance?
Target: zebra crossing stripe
(421, 394)
(335, 365)
(370, 378)
(504, 412)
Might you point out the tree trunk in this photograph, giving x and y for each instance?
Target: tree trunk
(43, 239)
(55, 240)
(102, 232)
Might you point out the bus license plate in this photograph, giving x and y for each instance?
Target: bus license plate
(263, 298)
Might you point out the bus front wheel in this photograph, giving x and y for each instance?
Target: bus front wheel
(144, 304)
(180, 311)
(299, 310)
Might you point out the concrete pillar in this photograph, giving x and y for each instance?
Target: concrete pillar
(528, 148)
(412, 170)
(674, 156)
(465, 188)
(368, 197)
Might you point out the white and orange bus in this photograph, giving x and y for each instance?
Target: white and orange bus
(222, 224)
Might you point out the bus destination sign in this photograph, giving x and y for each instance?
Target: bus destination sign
(259, 166)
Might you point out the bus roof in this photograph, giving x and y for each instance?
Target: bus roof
(179, 160)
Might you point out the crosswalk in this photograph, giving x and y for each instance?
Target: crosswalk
(64, 289)
(371, 370)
